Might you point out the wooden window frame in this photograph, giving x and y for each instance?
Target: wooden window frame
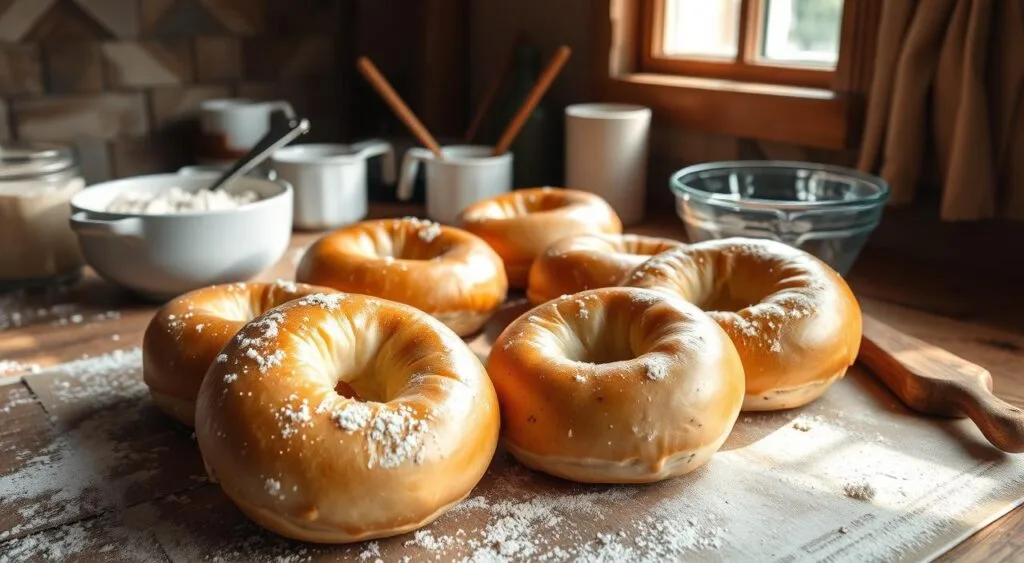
(763, 72)
(816, 109)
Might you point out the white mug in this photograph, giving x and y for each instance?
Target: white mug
(229, 127)
(329, 180)
(468, 174)
(606, 154)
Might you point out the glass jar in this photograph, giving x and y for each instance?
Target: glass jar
(37, 246)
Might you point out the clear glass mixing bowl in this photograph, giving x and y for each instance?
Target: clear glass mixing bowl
(826, 210)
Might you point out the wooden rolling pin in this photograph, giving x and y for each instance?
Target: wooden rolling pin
(931, 380)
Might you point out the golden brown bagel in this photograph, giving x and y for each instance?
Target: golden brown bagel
(579, 262)
(186, 335)
(793, 319)
(340, 417)
(521, 224)
(444, 271)
(616, 385)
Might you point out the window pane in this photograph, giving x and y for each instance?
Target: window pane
(701, 28)
(802, 31)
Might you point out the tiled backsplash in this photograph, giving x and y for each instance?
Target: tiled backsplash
(122, 79)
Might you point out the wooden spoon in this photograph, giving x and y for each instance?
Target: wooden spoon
(397, 105)
(931, 380)
(548, 76)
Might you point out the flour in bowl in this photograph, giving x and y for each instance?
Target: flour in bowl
(177, 200)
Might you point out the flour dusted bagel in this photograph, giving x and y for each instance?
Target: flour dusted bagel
(793, 319)
(186, 335)
(340, 417)
(592, 261)
(444, 271)
(521, 224)
(616, 385)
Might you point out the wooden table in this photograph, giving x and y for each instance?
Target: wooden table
(978, 319)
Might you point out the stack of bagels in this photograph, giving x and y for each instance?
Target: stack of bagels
(346, 405)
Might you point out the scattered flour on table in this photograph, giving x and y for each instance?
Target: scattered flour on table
(426, 540)
(102, 538)
(802, 426)
(240, 540)
(371, 552)
(17, 396)
(859, 491)
(88, 467)
(8, 367)
(55, 306)
(564, 526)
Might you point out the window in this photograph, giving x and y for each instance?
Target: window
(753, 69)
(786, 42)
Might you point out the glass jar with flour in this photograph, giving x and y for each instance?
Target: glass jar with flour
(37, 246)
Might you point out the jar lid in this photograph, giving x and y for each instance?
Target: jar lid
(32, 160)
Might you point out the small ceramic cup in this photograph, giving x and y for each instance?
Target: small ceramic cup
(229, 127)
(606, 154)
(330, 180)
(466, 175)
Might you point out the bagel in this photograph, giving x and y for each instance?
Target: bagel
(444, 271)
(794, 320)
(185, 336)
(580, 262)
(521, 224)
(339, 417)
(615, 385)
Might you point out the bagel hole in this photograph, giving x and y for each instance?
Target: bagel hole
(361, 387)
(604, 347)
(410, 246)
(524, 204)
(240, 307)
(724, 300)
(539, 203)
(347, 391)
(617, 352)
(361, 383)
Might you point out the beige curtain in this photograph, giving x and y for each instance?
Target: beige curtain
(946, 103)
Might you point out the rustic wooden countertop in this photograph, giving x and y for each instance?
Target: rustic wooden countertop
(979, 319)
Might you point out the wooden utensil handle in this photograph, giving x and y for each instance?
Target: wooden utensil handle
(1000, 422)
(532, 99)
(383, 87)
(931, 380)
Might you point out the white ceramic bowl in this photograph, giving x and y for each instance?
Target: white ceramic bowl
(161, 256)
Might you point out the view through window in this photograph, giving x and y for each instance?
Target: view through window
(802, 35)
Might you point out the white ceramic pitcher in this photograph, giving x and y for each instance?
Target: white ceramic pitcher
(330, 180)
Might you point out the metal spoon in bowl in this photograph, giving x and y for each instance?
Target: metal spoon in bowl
(281, 132)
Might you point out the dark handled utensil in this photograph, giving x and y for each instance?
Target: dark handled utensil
(281, 132)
